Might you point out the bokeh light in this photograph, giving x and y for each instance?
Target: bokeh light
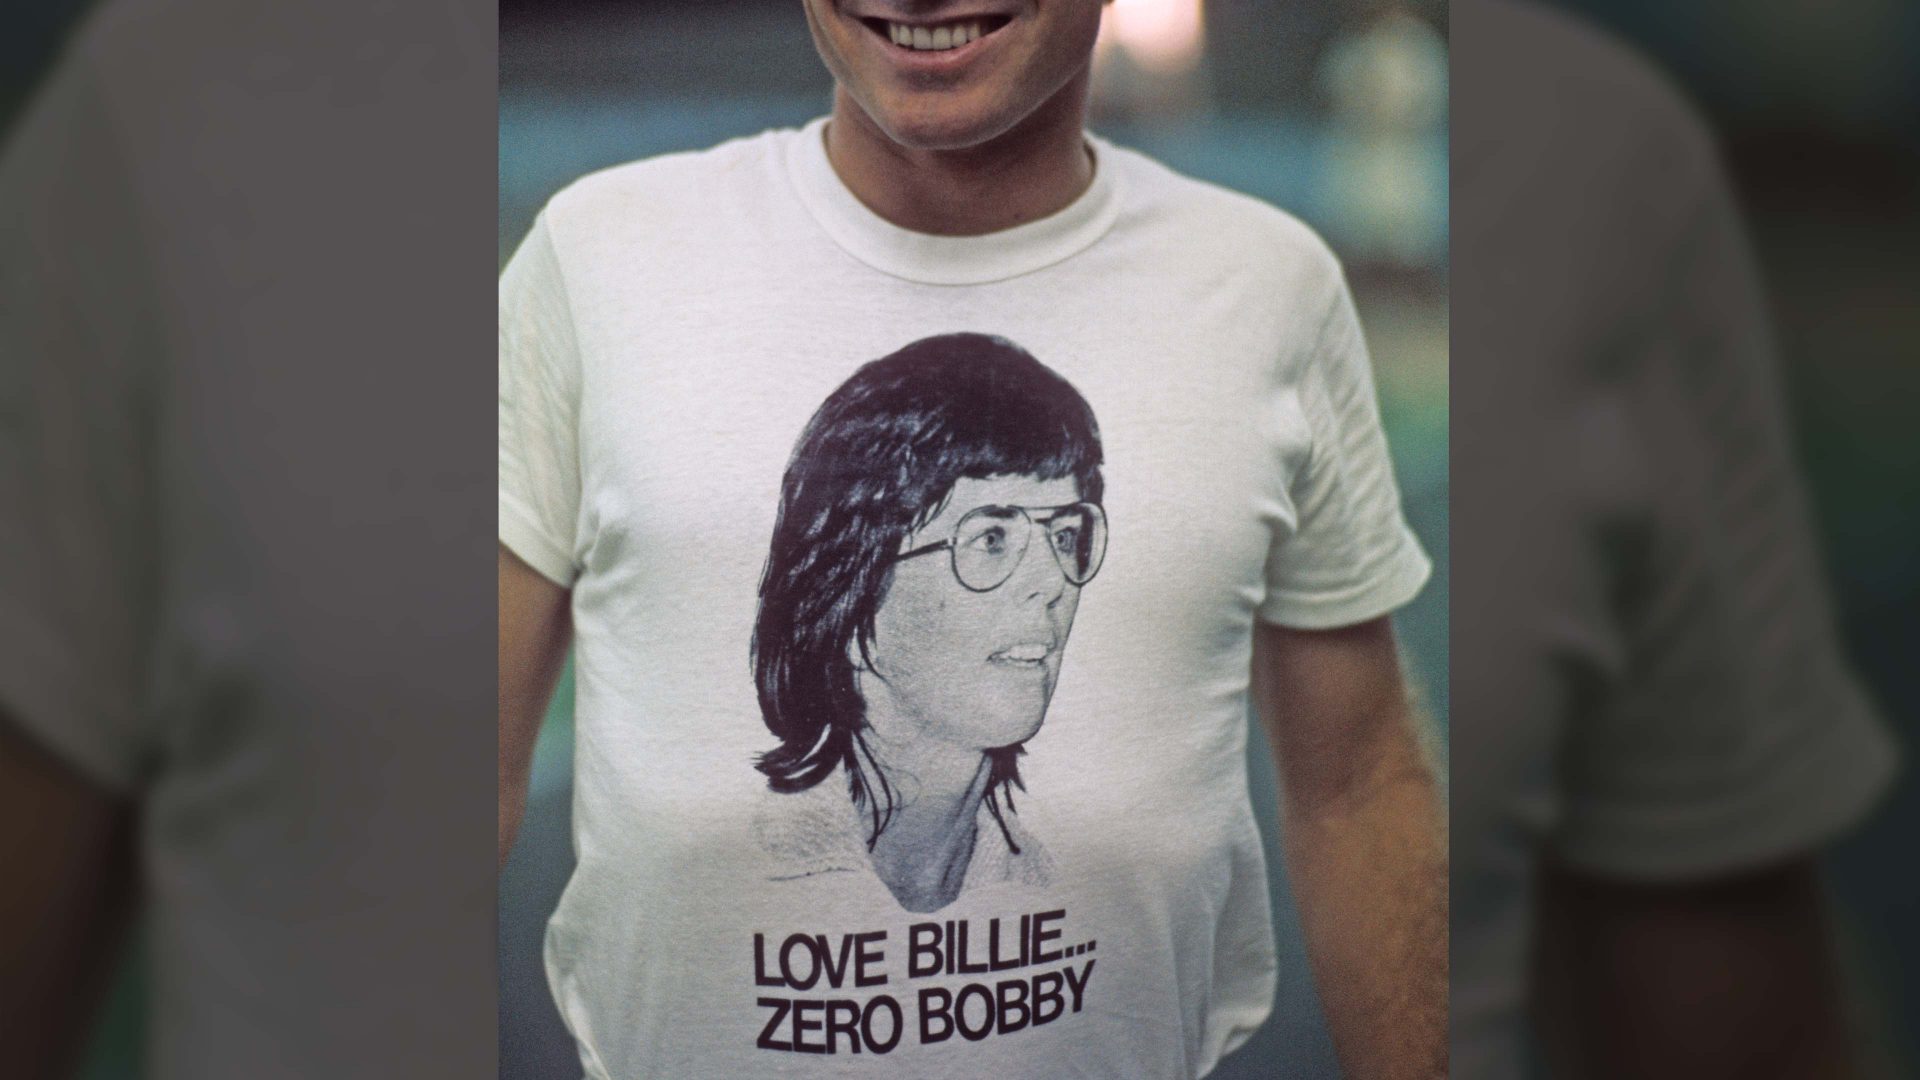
(1162, 36)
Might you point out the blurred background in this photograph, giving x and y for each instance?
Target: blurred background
(1334, 110)
(1817, 108)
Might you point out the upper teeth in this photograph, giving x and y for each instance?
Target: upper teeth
(951, 36)
(1027, 653)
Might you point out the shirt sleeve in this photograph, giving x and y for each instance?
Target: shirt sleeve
(1351, 556)
(79, 344)
(1735, 734)
(539, 409)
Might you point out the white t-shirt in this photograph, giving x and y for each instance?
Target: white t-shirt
(1648, 686)
(706, 378)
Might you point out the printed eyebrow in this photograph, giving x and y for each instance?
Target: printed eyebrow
(1030, 511)
(1058, 512)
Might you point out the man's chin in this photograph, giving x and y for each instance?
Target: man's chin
(953, 124)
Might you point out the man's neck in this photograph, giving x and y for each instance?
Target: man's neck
(1034, 170)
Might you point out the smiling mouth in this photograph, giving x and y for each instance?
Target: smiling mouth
(937, 37)
(1023, 655)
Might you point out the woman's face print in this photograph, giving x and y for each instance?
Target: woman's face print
(974, 670)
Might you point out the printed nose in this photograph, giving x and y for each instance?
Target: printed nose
(1039, 575)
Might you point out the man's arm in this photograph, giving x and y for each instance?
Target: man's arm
(66, 857)
(535, 627)
(1365, 837)
(1730, 977)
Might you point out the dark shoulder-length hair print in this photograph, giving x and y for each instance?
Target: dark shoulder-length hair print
(877, 461)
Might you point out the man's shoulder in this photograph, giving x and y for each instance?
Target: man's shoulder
(668, 187)
(1219, 222)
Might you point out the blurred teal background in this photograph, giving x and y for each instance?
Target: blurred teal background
(1335, 112)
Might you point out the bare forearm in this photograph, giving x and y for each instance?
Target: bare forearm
(1368, 865)
(535, 626)
(513, 803)
(1366, 841)
(522, 706)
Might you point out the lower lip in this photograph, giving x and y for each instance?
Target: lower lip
(931, 61)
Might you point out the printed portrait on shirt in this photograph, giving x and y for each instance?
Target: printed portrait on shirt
(938, 518)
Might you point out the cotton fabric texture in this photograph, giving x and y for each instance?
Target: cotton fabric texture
(668, 328)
